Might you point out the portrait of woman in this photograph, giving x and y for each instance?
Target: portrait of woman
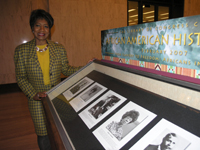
(116, 128)
(38, 66)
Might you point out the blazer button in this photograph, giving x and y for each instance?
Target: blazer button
(52, 85)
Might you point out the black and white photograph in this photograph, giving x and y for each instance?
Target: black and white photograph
(90, 93)
(123, 125)
(127, 122)
(101, 108)
(167, 136)
(103, 105)
(77, 88)
(87, 96)
(168, 140)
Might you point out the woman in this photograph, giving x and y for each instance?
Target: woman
(116, 127)
(38, 66)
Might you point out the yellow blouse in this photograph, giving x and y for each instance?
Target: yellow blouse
(43, 58)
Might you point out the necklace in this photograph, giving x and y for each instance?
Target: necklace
(42, 50)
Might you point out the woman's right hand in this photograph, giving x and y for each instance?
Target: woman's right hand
(39, 95)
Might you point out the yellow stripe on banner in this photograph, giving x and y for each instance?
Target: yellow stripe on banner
(193, 73)
(178, 70)
(163, 68)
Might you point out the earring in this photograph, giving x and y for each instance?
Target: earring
(33, 31)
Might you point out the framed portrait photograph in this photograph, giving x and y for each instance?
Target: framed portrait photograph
(87, 96)
(123, 125)
(101, 108)
(77, 88)
(167, 136)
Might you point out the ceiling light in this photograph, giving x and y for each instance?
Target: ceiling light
(131, 10)
(150, 17)
(164, 14)
(148, 12)
(165, 18)
(151, 20)
(133, 16)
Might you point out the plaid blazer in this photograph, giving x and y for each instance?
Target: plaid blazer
(30, 77)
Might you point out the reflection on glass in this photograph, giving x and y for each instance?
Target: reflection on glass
(148, 13)
(163, 13)
(132, 13)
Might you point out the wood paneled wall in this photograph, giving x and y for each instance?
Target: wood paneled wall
(78, 25)
(14, 29)
(191, 8)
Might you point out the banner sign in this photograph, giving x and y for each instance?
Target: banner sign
(174, 42)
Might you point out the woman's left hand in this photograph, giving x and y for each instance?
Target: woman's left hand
(39, 95)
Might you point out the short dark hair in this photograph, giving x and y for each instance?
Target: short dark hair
(169, 135)
(133, 114)
(40, 14)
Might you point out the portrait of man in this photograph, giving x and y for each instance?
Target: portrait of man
(168, 143)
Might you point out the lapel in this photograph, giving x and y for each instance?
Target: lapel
(52, 55)
(33, 54)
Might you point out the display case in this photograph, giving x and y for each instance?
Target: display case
(108, 106)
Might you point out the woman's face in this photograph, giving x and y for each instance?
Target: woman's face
(41, 31)
(126, 120)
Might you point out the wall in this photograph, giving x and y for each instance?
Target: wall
(14, 29)
(191, 8)
(78, 25)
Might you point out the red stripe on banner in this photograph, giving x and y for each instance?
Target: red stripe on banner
(116, 59)
(151, 65)
(186, 72)
(107, 57)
